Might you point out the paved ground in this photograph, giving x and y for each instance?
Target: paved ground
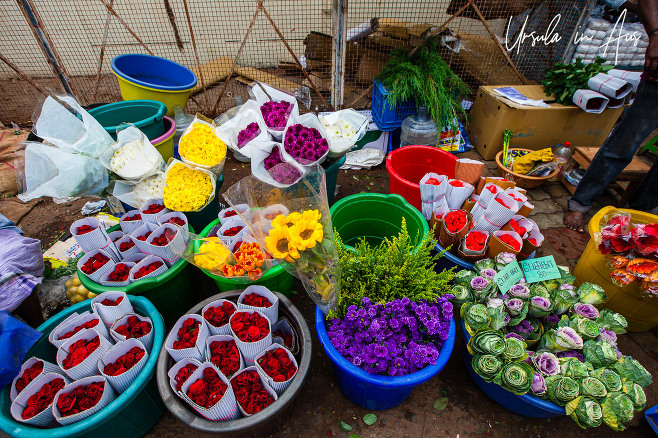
(320, 404)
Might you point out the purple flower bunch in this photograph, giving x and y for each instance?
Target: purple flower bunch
(280, 171)
(395, 339)
(276, 114)
(273, 158)
(247, 134)
(305, 145)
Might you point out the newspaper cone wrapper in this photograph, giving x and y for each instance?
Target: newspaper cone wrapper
(197, 351)
(129, 226)
(267, 387)
(146, 340)
(496, 215)
(153, 218)
(239, 209)
(457, 195)
(286, 328)
(496, 246)
(121, 382)
(446, 238)
(223, 330)
(590, 101)
(97, 238)
(432, 196)
(100, 327)
(250, 350)
(526, 209)
(89, 366)
(470, 255)
(51, 335)
(108, 266)
(272, 312)
(130, 251)
(469, 170)
(109, 314)
(146, 227)
(528, 248)
(174, 214)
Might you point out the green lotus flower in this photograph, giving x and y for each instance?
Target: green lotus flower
(515, 377)
(586, 328)
(464, 277)
(561, 389)
(487, 366)
(585, 411)
(539, 290)
(487, 341)
(610, 378)
(483, 264)
(612, 321)
(591, 294)
(599, 353)
(515, 350)
(475, 316)
(629, 368)
(617, 409)
(593, 387)
(635, 393)
(572, 367)
(460, 294)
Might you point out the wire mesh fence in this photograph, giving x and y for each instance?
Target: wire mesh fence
(230, 43)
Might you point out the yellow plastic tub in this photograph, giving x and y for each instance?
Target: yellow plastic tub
(640, 312)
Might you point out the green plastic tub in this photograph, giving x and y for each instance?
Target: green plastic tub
(375, 216)
(132, 414)
(147, 115)
(331, 168)
(171, 293)
(275, 279)
(199, 219)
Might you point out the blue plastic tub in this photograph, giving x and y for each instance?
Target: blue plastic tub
(651, 415)
(153, 72)
(526, 405)
(385, 117)
(132, 414)
(373, 391)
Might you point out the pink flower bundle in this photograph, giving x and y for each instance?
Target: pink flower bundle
(276, 114)
(247, 134)
(305, 145)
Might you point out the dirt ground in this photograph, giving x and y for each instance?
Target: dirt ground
(320, 404)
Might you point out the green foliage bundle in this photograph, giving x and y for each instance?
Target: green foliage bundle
(564, 80)
(426, 78)
(391, 270)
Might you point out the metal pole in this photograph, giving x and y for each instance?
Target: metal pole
(108, 18)
(338, 48)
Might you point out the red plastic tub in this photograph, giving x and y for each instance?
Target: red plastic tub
(409, 164)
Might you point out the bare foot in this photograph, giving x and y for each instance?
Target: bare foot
(575, 220)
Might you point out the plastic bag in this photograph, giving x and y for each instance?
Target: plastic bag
(136, 194)
(59, 126)
(187, 188)
(303, 240)
(133, 157)
(344, 128)
(51, 171)
(295, 135)
(232, 128)
(257, 91)
(283, 174)
(201, 147)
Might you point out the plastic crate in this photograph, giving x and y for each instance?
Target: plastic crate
(383, 115)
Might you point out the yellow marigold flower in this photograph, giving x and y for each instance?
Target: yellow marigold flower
(212, 254)
(288, 221)
(305, 234)
(186, 189)
(279, 244)
(311, 215)
(202, 146)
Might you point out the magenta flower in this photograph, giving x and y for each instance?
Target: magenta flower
(305, 145)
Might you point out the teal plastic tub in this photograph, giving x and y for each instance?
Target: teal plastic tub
(331, 168)
(275, 279)
(147, 115)
(132, 414)
(171, 293)
(375, 216)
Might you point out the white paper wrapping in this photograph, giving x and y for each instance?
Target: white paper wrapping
(48, 367)
(610, 86)
(121, 382)
(513, 234)
(433, 196)
(45, 418)
(95, 239)
(109, 314)
(519, 197)
(590, 101)
(146, 340)
(239, 209)
(100, 327)
(258, 164)
(525, 223)
(71, 317)
(229, 223)
(267, 387)
(308, 120)
(339, 145)
(169, 252)
(145, 262)
(195, 352)
(178, 214)
(130, 251)
(279, 387)
(129, 226)
(105, 279)
(222, 338)
(496, 215)
(272, 312)
(467, 251)
(260, 96)
(136, 258)
(249, 350)
(107, 397)
(223, 330)
(285, 327)
(153, 218)
(173, 371)
(97, 274)
(141, 231)
(457, 195)
(89, 366)
(228, 131)
(225, 409)
(483, 200)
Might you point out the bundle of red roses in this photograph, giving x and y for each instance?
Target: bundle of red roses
(164, 238)
(516, 227)
(120, 273)
(476, 241)
(109, 302)
(134, 328)
(456, 183)
(183, 374)
(94, 263)
(256, 300)
(455, 221)
(208, 390)
(277, 364)
(125, 362)
(43, 398)
(230, 232)
(218, 316)
(510, 241)
(225, 356)
(82, 398)
(80, 350)
(148, 269)
(432, 181)
(28, 376)
(187, 334)
(175, 221)
(287, 338)
(249, 327)
(135, 217)
(144, 236)
(154, 209)
(84, 229)
(250, 392)
(87, 325)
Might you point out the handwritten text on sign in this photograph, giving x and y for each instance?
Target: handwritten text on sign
(540, 269)
(508, 276)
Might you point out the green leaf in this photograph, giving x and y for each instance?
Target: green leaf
(369, 419)
(353, 435)
(440, 404)
(344, 426)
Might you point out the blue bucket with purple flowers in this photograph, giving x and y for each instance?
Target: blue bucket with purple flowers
(377, 392)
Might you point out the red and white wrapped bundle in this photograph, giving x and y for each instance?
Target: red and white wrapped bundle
(223, 409)
(531, 243)
(197, 348)
(121, 268)
(521, 225)
(29, 373)
(433, 188)
(141, 235)
(107, 396)
(150, 267)
(221, 362)
(229, 212)
(271, 312)
(136, 258)
(277, 385)
(88, 366)
(518, 196)
(83, 322)
(128, 243)
(90, 234)
(454, 226)
(176, 218)
(142, 329)
(152, 210)
(176, 242)
(282, 330)
(174, 372)
(71, 317)
(263, 382)
(216, 311)
(114, 237)
(250, 349)
(130, 221)
(231, 228)
(29, 400)
(499, 211)
(504, 241)
(123, 352)
(107, 264)
(486, 195)
(111, 305)
(458, 192)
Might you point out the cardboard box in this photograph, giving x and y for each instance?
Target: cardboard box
(534, 127)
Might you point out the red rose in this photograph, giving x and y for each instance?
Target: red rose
(29, 412)
(511, 242)
(201, 400)
(456, 183)
(85, 404)
(455, 221)
(65, 402)
(432, 181)
(196, 388)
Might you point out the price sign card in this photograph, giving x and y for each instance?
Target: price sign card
(508, 276)
(540, 269)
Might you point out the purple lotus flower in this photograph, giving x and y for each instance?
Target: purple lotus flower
(519, 291)
(546, 363)
(488, 273)
(538, 386)
(479, 283)
(586, 310)
(311, 145)
(608, 336)
(572, 353)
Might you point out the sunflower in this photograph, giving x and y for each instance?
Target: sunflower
(311, 215)
(279, 244)
(305, 234)
(288, 221)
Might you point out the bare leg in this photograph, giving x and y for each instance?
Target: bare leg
(575, 220)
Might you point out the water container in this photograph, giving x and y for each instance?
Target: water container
(561, 154)
(182, 121)
(419, 129)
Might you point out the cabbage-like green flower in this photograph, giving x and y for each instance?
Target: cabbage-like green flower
(610, 378)
(612, 321)
(629, 368)
(593, 387)
(599, 353)
(617, 409)
(460, 294)
(585, 411)
(482, 288)
(515, 350)
(586, 310)
(546, 363)
(561, 389)
(572, 367)
(635, 393)
(515, 377)
(539, 290)
(560, 339)
(464, 277)
(503, 259)
(487, 366)
(566, 276)
(519, 291)
(487, 341)
(539, 306)
(586, 328)
(589, 293)
(538, 387)
(499, 317)
(483, 264)
(475, 316)
(562, 300)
